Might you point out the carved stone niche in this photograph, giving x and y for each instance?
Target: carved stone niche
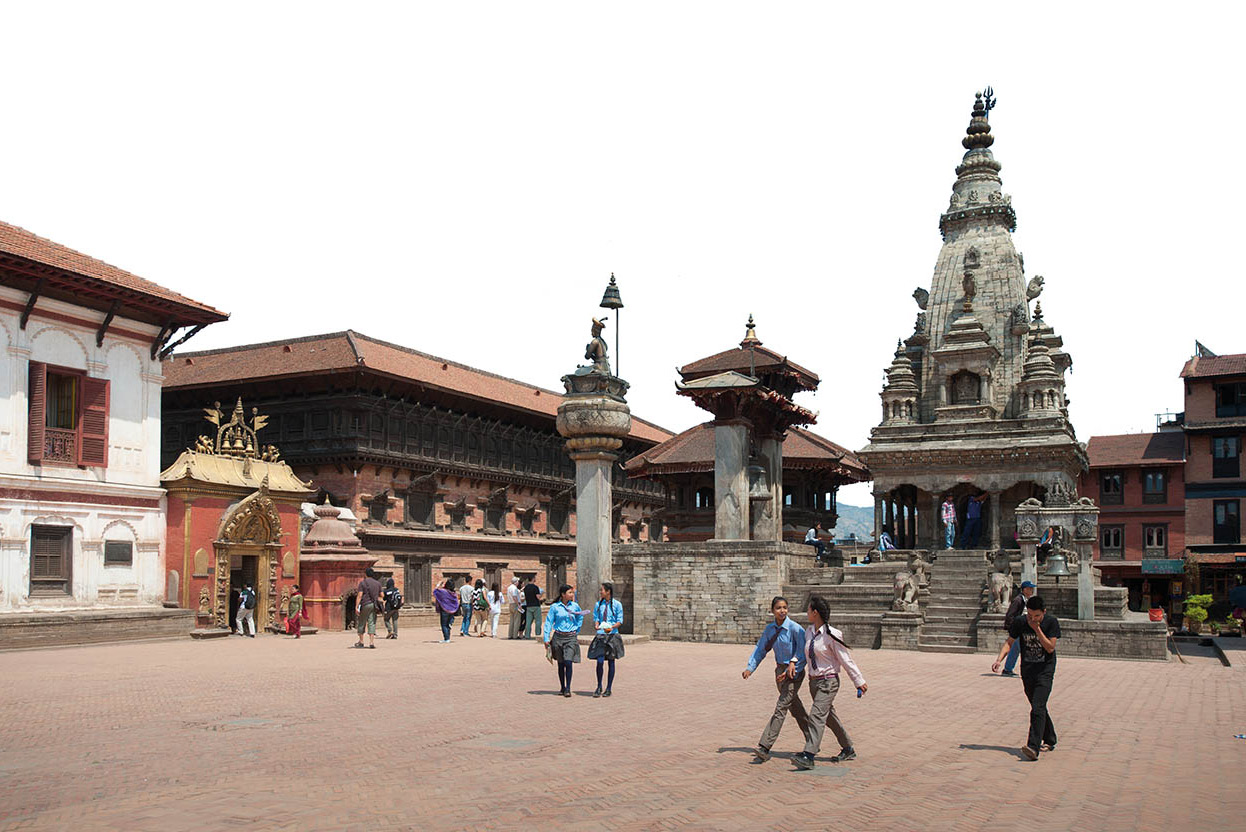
(965, 387)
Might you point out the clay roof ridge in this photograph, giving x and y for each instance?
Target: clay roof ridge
(303, 339)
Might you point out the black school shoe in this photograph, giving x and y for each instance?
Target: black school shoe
(597, 693)
(844, 755)
(567, 693)
(803, 761)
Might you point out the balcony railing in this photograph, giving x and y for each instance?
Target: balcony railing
(60, 445)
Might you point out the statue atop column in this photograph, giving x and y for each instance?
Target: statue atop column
(596, 350)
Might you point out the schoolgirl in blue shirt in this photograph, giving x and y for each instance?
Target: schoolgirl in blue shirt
(562, 631)
(787, 639)
(607, 644)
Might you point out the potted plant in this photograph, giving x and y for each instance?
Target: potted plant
(1196, 611)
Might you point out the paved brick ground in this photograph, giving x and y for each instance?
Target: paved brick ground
(274, 734)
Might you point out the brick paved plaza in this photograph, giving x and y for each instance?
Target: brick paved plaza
(273, 734)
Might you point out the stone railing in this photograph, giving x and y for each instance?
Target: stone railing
(60, 445)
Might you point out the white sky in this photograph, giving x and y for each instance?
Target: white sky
(462, 178)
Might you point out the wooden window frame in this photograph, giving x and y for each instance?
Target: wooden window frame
(1147, 547)
(1107, 498)
(1217, 537)
(1155, 497)
(1238, 408)
(61, 585)
(1226, 467)
(93, 412)
(1116, 552)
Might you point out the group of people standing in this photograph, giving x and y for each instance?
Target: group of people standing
(479, 607)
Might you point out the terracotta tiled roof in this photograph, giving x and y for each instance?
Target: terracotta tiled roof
(739, 359)
(20, 243)
(349, 350)
(1136, 449)
(693, 450)
(1206, 366)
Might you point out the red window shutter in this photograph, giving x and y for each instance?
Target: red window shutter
(36, 399)
(93, 425)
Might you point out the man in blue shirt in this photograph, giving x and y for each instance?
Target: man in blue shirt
(973, 521)
(787, 639)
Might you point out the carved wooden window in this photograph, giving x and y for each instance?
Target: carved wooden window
(1111, 488)
(1155, 539)
(1111, 542)
(495, 512)
(526, 519)
(118, 553)
(1225, 457)
(51, 557)
(67, 417)
(966, 388)
(421, 508)
(378, 508)
(559, 518)
(1155, 486)
(292, 425)
(1226, 521)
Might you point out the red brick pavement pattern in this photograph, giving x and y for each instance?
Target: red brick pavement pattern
(276, 734)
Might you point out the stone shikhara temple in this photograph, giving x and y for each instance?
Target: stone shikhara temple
(974, 398)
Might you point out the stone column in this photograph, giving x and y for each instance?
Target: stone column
(731, 504)
(1085, 533)
(771, 452)
(993, 511)
(936, 523)
(594, 417)
(878, 517)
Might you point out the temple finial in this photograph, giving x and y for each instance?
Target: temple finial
(750, 335)
(978, 134)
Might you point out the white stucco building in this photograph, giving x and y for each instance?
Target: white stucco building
(82, 513)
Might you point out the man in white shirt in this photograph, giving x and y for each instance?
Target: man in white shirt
(811, 538)
(512, 601)
(465, 603)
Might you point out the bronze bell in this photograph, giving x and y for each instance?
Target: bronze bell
(612, 299)
(1058, 566)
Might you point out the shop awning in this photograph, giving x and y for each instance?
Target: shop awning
(1163, 566)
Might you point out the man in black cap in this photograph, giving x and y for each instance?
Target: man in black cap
(1016, 608)
(1038, 633)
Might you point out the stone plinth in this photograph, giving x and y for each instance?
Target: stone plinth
(899, 630)
(1133, 637)
(714, 591)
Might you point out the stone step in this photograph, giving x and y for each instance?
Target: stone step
(962, 629)
(953, 640)
(955, 597)
(944, 648)
(945, 611)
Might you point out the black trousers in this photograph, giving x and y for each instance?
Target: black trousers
(1037, 684)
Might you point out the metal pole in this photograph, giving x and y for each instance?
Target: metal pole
(618, 371)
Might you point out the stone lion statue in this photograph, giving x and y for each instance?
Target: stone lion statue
(1000, 586)
(905, 592)
(919, 568)
(1034, 288)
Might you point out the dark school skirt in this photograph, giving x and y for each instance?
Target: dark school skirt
(565, 647)
(607, 646)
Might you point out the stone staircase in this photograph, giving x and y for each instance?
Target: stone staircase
(957, 581)
(859, 597)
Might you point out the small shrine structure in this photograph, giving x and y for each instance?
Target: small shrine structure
(749, 390)
(233, 519)
(331, 563)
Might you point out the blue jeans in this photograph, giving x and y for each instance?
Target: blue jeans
(1013, 652)
(949, 534)
(466, 610)
(446, 618)
(969, 540)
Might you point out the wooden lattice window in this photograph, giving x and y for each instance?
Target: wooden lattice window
(51, 556)
(67, 417)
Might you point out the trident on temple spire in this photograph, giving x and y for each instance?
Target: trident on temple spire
(989, 101)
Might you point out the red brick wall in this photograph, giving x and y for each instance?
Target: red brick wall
(1133, 514)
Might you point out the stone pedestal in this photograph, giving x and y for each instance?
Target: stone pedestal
(594, 418)
(731, 503)
(1085, 582)
(899, 630)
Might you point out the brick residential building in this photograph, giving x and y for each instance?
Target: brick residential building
(1138, 482)
(452, 471)
(82, 513)
(1215, 482)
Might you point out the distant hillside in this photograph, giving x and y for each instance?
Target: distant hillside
(858, 520)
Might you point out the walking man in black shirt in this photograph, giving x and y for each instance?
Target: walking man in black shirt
(1038, 633)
